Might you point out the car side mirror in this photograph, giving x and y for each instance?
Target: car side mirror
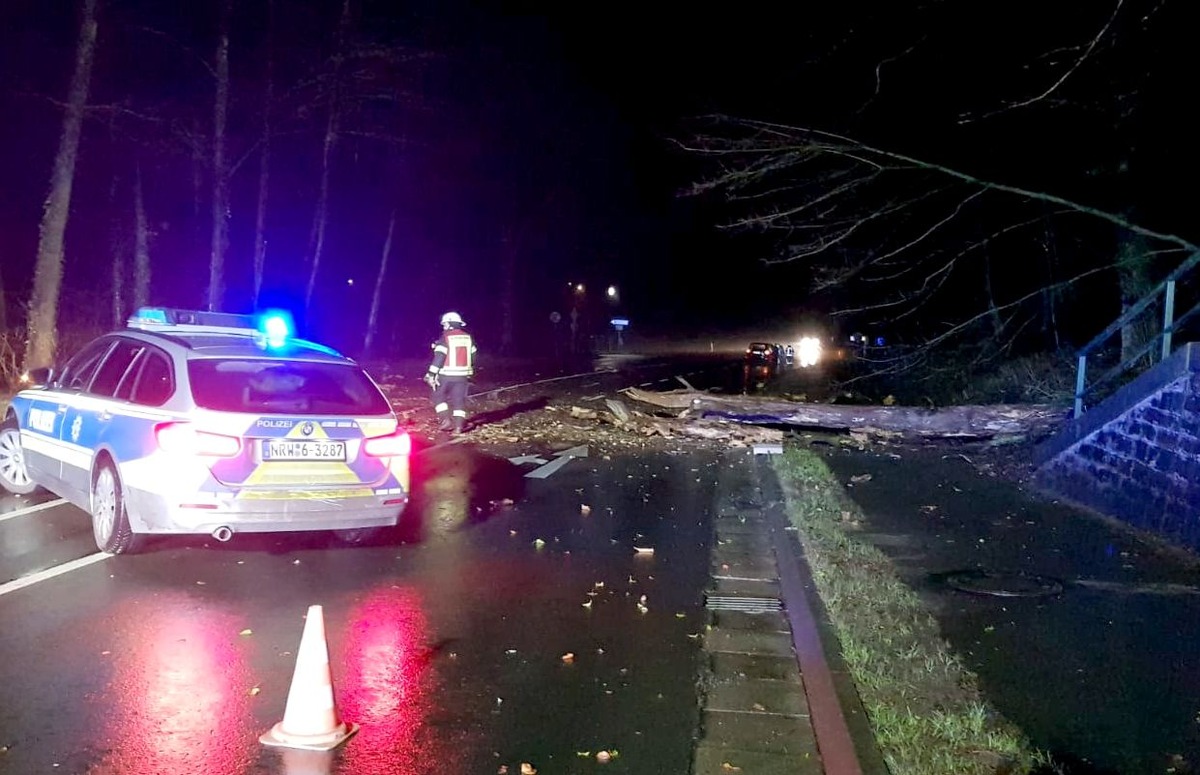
(38, 377)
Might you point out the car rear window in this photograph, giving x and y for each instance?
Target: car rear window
(264, 386)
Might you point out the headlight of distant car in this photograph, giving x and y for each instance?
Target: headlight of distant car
(809, 351)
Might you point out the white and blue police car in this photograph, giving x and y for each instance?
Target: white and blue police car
(189, 422)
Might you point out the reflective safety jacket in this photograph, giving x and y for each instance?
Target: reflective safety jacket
(453, 354)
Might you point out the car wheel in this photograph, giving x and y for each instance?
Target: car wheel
(110, 522)
(14, 476)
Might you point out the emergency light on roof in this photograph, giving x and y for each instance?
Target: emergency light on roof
(158, 317)
(273, 328)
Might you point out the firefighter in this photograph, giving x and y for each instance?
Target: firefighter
(451, 369)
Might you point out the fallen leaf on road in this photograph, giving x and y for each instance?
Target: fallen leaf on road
(539, 543)
(254, 691)
(568, 658)
(246, 632)
(528, 769)
(860, 478)
(604, 757)
(644, 549)
(585, 509)
(730, 768)
(588, 604)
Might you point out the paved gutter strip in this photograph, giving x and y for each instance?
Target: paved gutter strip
(771, 703)
(755, 714)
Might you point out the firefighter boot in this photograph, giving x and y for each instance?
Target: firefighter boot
(444, 422)
(459, 422)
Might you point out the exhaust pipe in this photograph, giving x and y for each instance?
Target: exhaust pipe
(223, 533)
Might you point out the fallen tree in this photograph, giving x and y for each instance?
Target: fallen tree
(1001, 421)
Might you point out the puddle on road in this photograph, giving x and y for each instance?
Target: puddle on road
(1104, 672)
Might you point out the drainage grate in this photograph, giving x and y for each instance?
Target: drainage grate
(747, 605)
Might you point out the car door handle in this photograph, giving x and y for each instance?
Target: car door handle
(104, 416)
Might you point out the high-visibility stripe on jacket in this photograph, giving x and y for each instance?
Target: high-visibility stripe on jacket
(454, 354)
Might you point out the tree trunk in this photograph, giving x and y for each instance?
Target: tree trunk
(118, 289)
(1001, 421)
(3, 304)
(1135, 281)
(1049, 293)
(373, 315)
(116, 244)
(47, 280)
(264, 165)
(508, 294)
(220, 173)
(321, 214)
(141, 245)
(994, 316)
(116, 232)
(198, 165)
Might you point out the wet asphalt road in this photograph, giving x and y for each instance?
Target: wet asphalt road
(448, 637)
(1104, 674)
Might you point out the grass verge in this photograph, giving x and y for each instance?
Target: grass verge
(924, 705)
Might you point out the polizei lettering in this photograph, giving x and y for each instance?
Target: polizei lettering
(275, 423)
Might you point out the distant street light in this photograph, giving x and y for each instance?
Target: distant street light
(613, 293)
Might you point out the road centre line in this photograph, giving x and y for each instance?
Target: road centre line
(31, 509)
(49, 573)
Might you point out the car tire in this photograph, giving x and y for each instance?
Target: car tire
(14, 476)
(110, 521)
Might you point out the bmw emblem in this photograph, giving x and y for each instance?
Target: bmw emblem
(307, 429)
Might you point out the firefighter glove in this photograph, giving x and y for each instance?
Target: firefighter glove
(432, 380)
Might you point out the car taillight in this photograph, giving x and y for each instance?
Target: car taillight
(182, 438)
(393, 445)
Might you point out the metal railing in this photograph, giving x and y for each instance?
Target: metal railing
(1164, 338)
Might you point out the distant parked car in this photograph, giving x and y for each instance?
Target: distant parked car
(760, 364)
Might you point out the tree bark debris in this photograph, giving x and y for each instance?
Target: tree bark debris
(996, 422)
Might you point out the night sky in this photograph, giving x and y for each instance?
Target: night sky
(547, 128)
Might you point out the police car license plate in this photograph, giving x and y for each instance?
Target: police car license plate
(303, 450)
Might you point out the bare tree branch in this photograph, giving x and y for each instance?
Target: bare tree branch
(1087, 52)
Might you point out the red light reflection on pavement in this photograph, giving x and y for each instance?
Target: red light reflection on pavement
(388, 687)
(179, 697)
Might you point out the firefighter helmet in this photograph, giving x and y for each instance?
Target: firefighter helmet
(452, 319)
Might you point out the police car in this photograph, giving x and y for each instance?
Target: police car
(191, 422)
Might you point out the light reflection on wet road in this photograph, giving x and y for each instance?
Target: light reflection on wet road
(447, 636)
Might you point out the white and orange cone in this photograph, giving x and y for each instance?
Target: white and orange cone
(310, 720)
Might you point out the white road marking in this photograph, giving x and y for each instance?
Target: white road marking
(561, 459)
(49, 573)
(528, 459)
(31, 509)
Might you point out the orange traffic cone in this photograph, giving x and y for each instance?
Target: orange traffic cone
(310, 720)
